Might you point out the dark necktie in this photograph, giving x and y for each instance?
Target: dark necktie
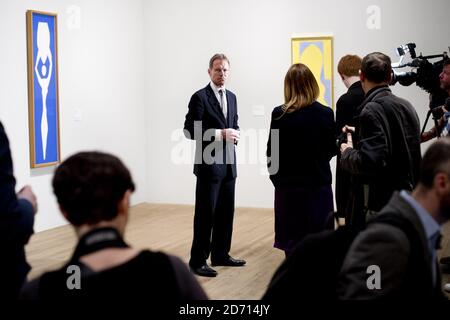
(222, 103)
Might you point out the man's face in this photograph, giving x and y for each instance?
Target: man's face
(219, 72)
(444, 77)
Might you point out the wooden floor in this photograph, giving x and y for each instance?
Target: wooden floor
(169, 228)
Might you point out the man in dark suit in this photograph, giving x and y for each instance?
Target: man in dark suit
(346, 112)
(406, 261)
(16, 224)
(212, 121)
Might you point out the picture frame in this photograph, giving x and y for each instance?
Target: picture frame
(43, 88)
(317, 53)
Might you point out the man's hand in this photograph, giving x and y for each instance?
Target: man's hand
(428, 135)
(348, 129)
(28, 194)
(349, 143)
(230, 135)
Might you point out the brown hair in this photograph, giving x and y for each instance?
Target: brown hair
(349, 65)
(300, 88)
(217, 56)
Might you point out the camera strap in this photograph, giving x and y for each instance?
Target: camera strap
(96, 240)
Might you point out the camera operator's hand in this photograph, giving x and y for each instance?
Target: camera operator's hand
(428, 135)
(434, 132)
(348, 129)
(349, 143)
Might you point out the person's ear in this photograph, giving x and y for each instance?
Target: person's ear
(441, 183)
(124, 203)
(64, 213)
(361, 76)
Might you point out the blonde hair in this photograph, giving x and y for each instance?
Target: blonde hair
(300, 88)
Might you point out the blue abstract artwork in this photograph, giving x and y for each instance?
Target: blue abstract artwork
(43, 94)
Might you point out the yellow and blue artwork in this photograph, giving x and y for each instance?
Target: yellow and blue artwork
(317, 54)
(43, 88)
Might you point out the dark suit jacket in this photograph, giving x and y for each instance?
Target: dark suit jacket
(306, 145)
(203, 118)
(389, 248)
(16, 225)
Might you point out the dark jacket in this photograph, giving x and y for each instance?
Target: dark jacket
(405, 262)
(301, 145)
(168, 277)
(203, 117)
(387, 156)
(347, 108)
(16, 226)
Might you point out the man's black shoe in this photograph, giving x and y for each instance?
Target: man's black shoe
(204, 271)
(228, 262)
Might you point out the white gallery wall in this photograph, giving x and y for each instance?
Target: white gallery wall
(101, 89)
(181, 36)
(127, 70)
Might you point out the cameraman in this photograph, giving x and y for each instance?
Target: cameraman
(443, 125)
(387, 155)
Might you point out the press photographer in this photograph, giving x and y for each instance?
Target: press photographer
(387, 155)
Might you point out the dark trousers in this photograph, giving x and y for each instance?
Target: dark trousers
(213, 220)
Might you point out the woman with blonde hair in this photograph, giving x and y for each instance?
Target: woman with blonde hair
(300, 147)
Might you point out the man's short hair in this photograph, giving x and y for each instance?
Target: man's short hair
(376, 67)
(435, 160)
(446, 62)
(217, 56)
(90, 185)
(349, 65)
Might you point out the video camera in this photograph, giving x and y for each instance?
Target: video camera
(426, 76)
(424, 73)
